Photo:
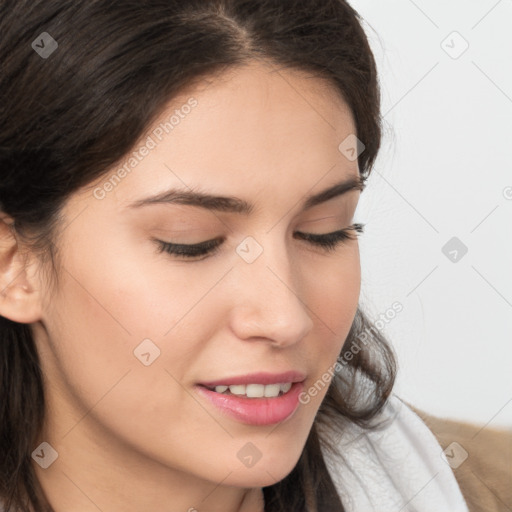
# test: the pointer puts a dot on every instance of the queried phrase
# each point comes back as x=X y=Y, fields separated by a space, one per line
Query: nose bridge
x=269 y=297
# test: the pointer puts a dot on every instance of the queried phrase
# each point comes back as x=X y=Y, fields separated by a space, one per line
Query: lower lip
x=256 y=411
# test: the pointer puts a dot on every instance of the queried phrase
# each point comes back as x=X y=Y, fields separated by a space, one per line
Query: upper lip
x=258 y=378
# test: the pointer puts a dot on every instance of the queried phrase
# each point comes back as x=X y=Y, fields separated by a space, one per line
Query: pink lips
x=256 y=411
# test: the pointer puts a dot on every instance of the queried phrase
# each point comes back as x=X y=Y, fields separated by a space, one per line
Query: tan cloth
x=485 y=477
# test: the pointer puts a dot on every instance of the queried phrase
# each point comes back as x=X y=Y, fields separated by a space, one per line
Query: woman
x=180 y=327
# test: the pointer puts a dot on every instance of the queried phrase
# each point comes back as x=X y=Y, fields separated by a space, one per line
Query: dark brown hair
x=66 y=119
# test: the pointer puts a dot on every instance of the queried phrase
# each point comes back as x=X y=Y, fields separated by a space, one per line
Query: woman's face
x=132 y=330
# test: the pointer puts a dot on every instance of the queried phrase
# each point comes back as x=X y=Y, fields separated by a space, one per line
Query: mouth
x=254 y=403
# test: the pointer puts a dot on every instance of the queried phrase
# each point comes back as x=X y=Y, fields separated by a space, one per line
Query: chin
x=264 y=477
x=265 y=472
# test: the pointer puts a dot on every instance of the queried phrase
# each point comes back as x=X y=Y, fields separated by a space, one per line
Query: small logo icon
x=454 y=45
x=45 y=455
x=351 y=147
x=249 y=249
x=44 y=45
x=454 y=249
x=249 y=455
x=146 y=352
x=454 y=455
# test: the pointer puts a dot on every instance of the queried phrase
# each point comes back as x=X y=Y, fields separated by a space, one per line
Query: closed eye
x=329 y=242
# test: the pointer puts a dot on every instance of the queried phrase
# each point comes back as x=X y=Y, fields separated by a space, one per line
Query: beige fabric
x=485 y=477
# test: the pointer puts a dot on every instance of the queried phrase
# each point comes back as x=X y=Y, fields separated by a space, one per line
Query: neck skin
x=92 y=474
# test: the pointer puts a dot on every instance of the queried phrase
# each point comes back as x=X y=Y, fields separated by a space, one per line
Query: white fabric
x=398 y=469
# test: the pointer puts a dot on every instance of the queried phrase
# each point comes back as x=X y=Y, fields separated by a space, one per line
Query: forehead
x=256 y=118
x=253 y=131
x=260 y=98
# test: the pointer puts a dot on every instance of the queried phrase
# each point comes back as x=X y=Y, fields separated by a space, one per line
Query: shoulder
x=480 y=457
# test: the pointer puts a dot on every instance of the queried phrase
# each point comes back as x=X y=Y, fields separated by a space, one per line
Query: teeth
x=286 y=387
x=238 y=389
x=270 y=390
x=256 y=390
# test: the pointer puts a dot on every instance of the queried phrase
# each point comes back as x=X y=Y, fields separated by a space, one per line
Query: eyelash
x=328 y=242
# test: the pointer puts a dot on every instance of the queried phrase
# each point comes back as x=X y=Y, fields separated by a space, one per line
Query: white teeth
x=286 y=387
x=272 y=390
x=237 y=389
x=256 y=390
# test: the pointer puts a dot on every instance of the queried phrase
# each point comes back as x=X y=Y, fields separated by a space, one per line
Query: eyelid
x=182 y=249
x=326 y=241
x=322 y=218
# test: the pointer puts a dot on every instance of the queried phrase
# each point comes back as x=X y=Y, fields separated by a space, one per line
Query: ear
x=20 y=297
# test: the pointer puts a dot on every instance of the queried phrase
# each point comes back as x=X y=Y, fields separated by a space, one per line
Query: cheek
x=334 y=298
x=96 y=378
x=107 y=304
x=334 y=291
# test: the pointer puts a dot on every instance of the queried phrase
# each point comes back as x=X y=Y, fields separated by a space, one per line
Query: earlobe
x=19 y=293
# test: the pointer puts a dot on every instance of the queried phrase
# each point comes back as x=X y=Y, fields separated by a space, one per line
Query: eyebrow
x=241 y=206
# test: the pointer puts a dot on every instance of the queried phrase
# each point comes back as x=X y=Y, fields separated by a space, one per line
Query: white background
x=445 y=170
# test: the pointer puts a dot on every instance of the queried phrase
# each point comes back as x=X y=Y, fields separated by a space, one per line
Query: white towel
x=398 y=469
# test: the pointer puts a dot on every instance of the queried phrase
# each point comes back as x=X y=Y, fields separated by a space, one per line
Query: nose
x=269 y=302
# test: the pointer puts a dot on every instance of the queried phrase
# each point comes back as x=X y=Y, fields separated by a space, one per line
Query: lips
x=257 y=378
x=254 y=411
